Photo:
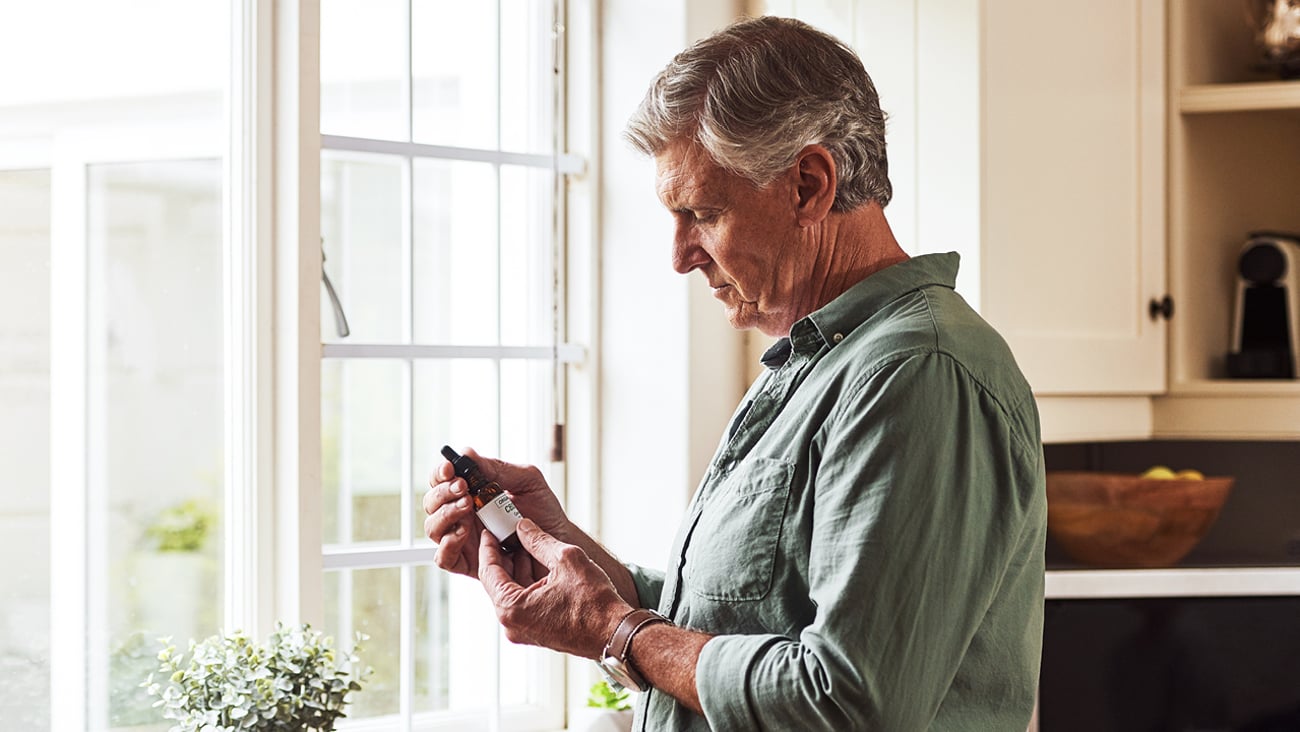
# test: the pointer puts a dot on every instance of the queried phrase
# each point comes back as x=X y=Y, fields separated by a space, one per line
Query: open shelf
x=1254 y=96
x=1083 y=584
x=1234 y=168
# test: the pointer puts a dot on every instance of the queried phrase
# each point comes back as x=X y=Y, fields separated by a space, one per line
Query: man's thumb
x=541 y=545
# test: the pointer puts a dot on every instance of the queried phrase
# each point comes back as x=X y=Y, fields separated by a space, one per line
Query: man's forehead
x=683 y=169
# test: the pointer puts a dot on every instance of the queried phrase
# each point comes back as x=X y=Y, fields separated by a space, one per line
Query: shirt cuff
x=722 y=679
x=649 y=585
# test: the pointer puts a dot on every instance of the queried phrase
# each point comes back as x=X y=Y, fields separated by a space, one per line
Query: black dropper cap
x=468 y=469
x=462 y=464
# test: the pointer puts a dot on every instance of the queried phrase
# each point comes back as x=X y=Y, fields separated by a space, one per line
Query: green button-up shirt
x=867 y=544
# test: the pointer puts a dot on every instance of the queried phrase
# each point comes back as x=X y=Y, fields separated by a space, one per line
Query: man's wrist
x=616 y=660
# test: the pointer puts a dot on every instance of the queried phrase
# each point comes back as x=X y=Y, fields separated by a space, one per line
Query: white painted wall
x=884 y=35
x=887 y=36
x=672 y=368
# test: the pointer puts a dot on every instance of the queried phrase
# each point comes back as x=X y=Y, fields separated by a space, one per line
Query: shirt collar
x=834 y=321
x=840 y=316
x=777 y=354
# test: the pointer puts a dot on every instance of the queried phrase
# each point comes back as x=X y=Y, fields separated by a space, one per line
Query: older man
x=865 y=550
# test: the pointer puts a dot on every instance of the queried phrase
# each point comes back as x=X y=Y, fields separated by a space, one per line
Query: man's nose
x=688 y=255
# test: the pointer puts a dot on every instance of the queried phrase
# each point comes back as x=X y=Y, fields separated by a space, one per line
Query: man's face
x=743 y=239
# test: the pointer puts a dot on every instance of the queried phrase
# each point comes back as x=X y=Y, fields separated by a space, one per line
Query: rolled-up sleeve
x=922 y=493
x=649 y=584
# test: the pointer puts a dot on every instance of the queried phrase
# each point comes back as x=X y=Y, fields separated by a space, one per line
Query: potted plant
x=296 y=682
x=607 y=710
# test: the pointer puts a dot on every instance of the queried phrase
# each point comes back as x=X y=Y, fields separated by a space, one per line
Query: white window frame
x=273 y=559
x=300 y=559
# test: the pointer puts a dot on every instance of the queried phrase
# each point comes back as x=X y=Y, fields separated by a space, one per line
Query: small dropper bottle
x=493 y=506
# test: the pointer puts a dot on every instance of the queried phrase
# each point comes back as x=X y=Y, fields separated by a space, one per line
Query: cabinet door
x=1072 y=191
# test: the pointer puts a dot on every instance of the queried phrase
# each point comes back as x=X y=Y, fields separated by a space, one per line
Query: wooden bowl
x=1120 y=520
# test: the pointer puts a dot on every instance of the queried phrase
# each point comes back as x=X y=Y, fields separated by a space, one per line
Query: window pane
x=454 y=403
x=433 y=665
x=369 y=601
x=25 y=459
x=474 y=681
x=527 y=266
x=456 y=253
x=361 y=231
x=454 y=60
x=156 y=417
x=363 y=68
x=363 y=430
x=527 y=413
x=527 y=76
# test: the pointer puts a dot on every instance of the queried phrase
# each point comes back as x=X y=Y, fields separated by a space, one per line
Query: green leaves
x=184 y=527
x=230 y=683
x=603 y=696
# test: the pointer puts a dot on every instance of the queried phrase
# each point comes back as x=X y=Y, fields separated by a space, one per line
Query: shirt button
x=837 y=337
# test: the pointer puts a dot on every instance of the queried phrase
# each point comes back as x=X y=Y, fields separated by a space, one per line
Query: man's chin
x=742 y=318
x=747 y=319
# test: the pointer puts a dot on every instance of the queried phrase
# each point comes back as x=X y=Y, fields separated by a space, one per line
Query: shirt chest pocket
x=732 y=549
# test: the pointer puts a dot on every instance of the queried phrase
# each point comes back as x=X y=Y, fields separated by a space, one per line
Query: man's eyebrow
x=694 y=199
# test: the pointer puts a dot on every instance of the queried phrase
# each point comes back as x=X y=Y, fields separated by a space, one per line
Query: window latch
x=340 y=319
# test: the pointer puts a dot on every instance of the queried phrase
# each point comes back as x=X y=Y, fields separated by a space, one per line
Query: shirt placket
x=752 y=422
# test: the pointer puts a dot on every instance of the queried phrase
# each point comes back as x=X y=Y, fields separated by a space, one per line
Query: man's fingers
x=450 y=554
x=440 y=494
x=442 y=474
x=496 y=580
x=448 y=519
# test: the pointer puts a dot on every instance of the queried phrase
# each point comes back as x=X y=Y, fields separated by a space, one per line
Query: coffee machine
x=1266 y=319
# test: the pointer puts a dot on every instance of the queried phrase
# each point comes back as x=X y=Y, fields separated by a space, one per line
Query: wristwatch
x=614 y=662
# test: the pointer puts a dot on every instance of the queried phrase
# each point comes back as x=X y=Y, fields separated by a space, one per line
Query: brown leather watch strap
x=621 y=641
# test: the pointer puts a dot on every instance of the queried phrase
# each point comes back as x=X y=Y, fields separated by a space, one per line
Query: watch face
x=621 y=674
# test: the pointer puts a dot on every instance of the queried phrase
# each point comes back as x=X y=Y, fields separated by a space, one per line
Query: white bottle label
x=500 y=516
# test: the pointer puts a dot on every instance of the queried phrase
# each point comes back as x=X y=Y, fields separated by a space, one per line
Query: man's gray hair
x=758 y=92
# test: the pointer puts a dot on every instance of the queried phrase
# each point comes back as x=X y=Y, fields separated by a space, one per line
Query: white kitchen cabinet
x=1029 y=136
x=1039 y=155
x=1070 y=192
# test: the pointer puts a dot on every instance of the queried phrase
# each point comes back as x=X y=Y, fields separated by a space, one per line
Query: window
x=147 y=324
x=24 y=430
x=443 y=239
x=112 y=366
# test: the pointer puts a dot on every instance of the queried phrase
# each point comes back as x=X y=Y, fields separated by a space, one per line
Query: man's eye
x=690 y=216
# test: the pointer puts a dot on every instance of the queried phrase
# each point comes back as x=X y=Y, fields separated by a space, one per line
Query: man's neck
x=848 y=248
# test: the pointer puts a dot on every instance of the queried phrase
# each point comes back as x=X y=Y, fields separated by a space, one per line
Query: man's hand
x=574 y=608
x=453 y=525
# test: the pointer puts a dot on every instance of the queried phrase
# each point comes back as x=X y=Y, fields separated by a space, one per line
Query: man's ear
x=817 y=182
